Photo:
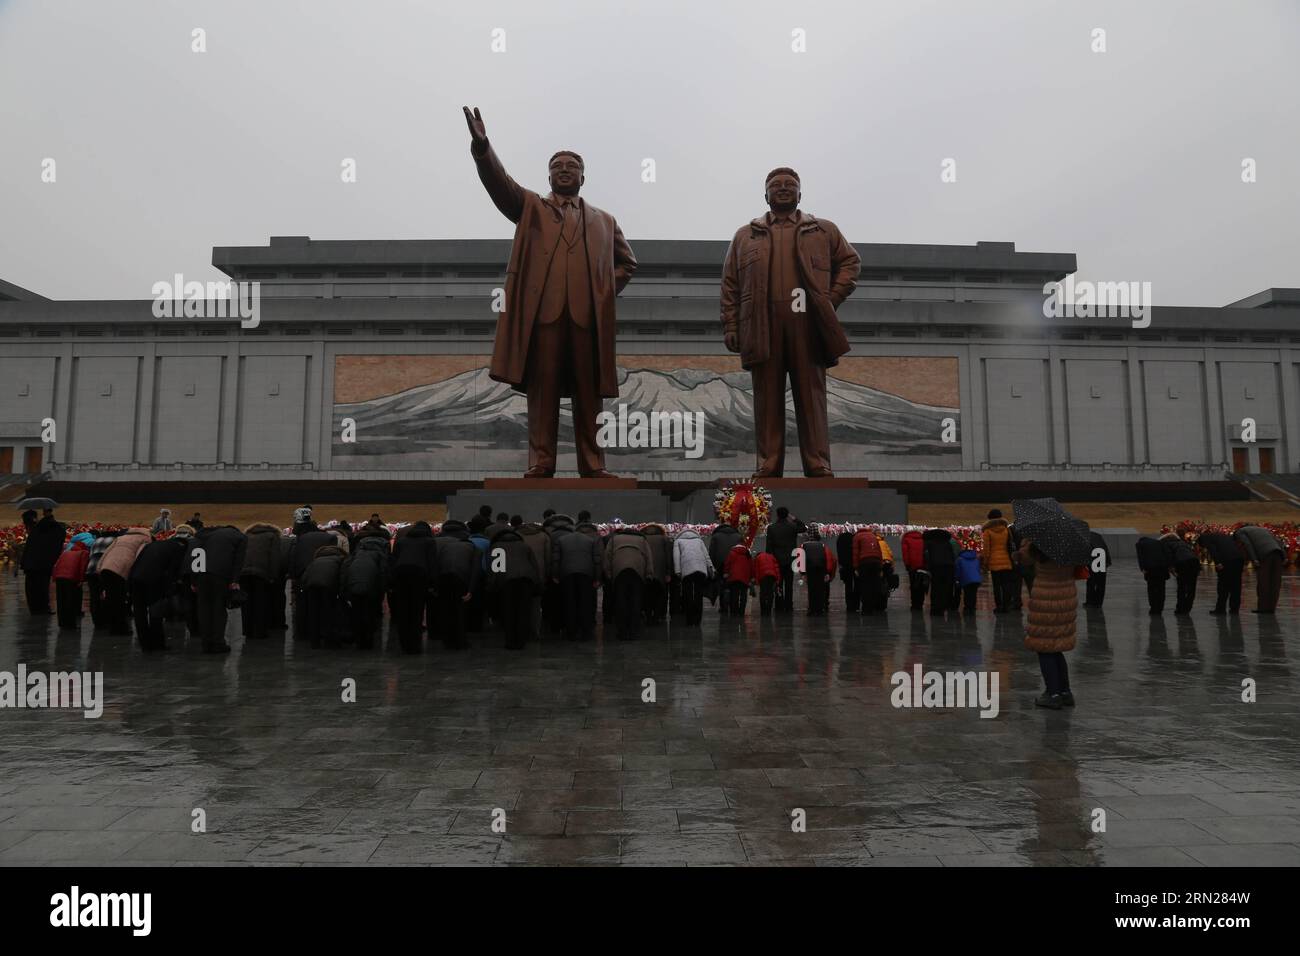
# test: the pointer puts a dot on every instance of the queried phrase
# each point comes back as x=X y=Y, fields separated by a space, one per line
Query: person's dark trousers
x=737 y=596
x=917 y=585
x=279 y=602
x=256 y=614
x=693 y=587
x=607 y=602
x=210 y=609
x=766 y=596
x=1229 y=587
x=870 y=587
x=517 y=610
x=1006 y=585
x=322 y=614
x=785 y=599
x=655 y=595
x=1095 y=590
x=451 y=611
x=407 y=607
x=1056 y=673
x=578 y=599
x=1156 y=591
x=629 y=589
x=95 y=601
x=969 y=595
x=148 y=624
x=850 y=582
x=67 y=599
x=1024 y=583
x=36 y=584
x=1186 y=574
x=116 y=603
x=941 y=585
x=675 y=606
x=1268 y=582
x=474 y=611
x=189 y=601
x=365 y=614
x=818 y=590
x=297 y=610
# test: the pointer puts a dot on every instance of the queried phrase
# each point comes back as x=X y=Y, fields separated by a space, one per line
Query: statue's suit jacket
x=538 y=225
x=828 y=272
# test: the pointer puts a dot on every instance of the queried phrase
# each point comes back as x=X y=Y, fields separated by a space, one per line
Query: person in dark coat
x=627 y=564
x=478 y=608
x=222 y=561
x=1229 y=562
x=556 y=526
x=196 y=523
x=514 y=583
x=320 y=588
x=279 y=590
x=655 y=606
x=41 y=550
x=1025 y=570
x=818 y=567
x=721 y=540
x=1095 y=590
x=257 y=579
x=412 y=571
x=1267 y=555
x=576 y=558
x=213 y=576
x=460 y=568
x=941 y=563
x=499 y=524
x=361 y=585
x=848 y=575
x=782 y=538
x=308 y=539
x=1186 y=567
x=1153 y=561
x=154 y=580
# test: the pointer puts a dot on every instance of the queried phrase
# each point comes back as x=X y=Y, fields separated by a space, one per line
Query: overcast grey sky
x=1130 y=158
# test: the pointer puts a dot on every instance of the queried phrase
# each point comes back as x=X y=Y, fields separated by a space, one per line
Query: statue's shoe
x=539 y=473
x=600 y=474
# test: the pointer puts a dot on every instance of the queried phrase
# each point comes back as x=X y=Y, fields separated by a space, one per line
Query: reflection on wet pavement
x=752 y=720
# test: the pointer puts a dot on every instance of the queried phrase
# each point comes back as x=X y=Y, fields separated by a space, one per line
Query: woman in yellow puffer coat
x=1050 y=627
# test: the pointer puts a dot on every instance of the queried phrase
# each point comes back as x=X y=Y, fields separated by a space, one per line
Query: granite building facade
x=369 y=359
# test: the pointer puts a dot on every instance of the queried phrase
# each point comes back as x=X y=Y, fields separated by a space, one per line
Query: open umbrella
x=37 y=504
x=1053 y=530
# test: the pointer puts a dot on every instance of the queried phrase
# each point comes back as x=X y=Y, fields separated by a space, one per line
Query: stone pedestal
x=834 y=500
x=605 y=498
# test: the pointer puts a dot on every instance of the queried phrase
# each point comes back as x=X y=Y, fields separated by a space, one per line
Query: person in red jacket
x=738 y=571
x=69 y=574
x=868 y=561
x=768 y=572
x=913 y=559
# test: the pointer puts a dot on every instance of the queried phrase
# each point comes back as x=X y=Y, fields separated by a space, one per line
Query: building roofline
x=302 y=252
x=15 y=293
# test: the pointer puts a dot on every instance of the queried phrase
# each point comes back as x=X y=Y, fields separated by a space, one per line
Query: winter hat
x=184 y=531
x=301 y=515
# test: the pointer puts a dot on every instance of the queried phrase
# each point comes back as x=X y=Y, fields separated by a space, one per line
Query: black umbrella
x=37 y=504
x=1053 y=530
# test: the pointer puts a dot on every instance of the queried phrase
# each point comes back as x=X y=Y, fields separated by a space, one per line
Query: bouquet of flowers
x=745 y=506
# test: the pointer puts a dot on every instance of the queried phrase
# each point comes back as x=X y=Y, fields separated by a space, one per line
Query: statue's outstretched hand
x=732 y=341
x=474 y=120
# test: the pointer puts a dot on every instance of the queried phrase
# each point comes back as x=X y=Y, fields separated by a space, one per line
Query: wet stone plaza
x=1160 y=763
